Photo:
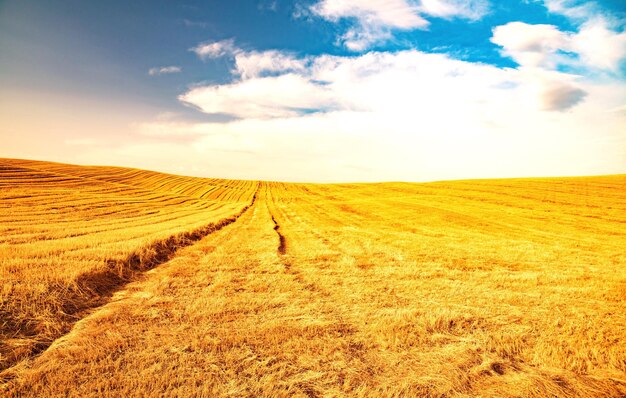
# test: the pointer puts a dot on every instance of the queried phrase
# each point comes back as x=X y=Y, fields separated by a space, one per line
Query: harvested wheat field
x=123 y=282
x=70 y=235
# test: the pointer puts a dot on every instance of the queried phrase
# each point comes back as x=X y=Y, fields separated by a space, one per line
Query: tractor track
x=93 y=290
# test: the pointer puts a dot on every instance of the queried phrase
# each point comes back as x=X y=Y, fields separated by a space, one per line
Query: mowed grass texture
x=491 y=288
x=70 y=235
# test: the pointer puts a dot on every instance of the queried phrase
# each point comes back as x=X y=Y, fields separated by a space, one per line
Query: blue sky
x=309 y=90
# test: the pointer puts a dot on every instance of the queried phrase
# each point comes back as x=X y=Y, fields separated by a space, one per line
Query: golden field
x=122 y=282
x=68 y=236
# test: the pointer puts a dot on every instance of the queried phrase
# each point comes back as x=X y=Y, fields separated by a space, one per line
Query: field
x=70 y=235
x=122 y=282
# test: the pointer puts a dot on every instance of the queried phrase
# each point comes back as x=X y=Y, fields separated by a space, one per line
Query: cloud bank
x=407 y=115
x=410 y=114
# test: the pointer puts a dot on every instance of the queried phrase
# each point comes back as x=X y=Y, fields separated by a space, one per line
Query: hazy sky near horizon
x=318 y=90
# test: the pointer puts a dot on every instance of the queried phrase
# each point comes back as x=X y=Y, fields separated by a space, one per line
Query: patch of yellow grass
x=491 y=288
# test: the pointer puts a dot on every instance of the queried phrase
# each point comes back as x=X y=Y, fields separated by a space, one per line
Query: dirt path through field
x=103 y=283
x=224 y=307
x=70 y=236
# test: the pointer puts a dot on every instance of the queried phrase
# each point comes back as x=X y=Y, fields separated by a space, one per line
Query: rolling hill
x=124 y=282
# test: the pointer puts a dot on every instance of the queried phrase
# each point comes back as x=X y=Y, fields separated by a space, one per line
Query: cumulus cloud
x=531 y=45
x=594 y=45
x=389 y=84
x=599 y=46
x=164 y=70
x=537 y=49
x=262 y=97
x=540 y=50
x=375 y=20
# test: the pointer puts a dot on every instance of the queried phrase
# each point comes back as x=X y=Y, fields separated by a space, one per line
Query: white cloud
x=384 y=83
x=262 y=97
x=572 y=8
x=582 y=11
x=215 y=49
x=594 y=45
x=469 y=9
x=164 y=70
x=375 y=20
x=599 y=46
x=250 y=63
x=362 y=37
x=399 y=14
x=256 y=63
x=601 y=38
x=531 y=45
x=541 y=50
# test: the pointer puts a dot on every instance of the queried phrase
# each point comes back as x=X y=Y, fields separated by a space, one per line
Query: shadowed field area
x=507 y=288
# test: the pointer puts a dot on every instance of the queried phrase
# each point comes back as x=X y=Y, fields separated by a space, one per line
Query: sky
x=318 y=90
